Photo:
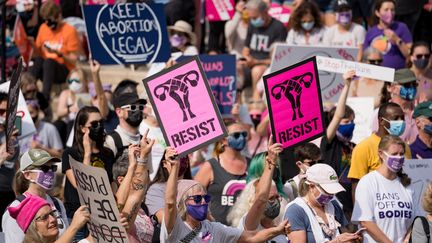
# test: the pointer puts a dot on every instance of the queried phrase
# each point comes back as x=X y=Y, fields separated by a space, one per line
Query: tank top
x=224 y=191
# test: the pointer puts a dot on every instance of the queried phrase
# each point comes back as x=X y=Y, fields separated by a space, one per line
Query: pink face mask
x=387 y=17
x=323 y=198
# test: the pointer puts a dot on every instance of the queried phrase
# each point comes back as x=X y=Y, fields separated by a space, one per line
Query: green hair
x=256 y=169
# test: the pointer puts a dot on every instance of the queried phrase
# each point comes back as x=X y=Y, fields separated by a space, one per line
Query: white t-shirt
x=299 y=38
x=387 y=203
x=211 y=232
x=352 y=38
x=126 y=137
x=158 y=148
x=13 y=233
x=277 y=239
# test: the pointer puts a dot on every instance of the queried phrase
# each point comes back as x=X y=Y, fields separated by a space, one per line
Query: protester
x=306 y=25
x=384 y=202
x=88 y=148
x=31 y=92
x=423 y=225
x=421 y=67
x=392 y=38
x=422 y=146
x=56 y=44
x=182 y=38
x=111 y=120
x=38 y=220
x=314 y=216
x=228 y=167
x=185 y=213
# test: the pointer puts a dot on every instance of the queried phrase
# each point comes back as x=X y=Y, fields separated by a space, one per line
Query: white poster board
x=363 y=109
x=331 y=83
x=420 y=171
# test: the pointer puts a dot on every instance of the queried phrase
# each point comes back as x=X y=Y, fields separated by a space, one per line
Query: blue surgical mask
x=237 y=143
x=257 y=22
x=308 y=25
x=198 y=212
x=346 y=130
x=428 y=129
x=396 y=127
x=408 y=93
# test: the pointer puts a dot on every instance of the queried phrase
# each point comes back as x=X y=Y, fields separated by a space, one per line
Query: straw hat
x=184 y=27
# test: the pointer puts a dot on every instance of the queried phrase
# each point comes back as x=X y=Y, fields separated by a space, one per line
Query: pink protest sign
x=280 y=13
x=294 y=101
x=185 y=106
x=219 y=10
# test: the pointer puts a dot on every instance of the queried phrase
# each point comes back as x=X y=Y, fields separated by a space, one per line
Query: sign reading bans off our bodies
x=127 y=33
x=294 y=101
x=94 y=190
x=185 y=107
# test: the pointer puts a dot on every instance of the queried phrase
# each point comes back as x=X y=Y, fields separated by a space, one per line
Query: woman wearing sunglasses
x=421 y=66
x=227 y=170
x=88 y=148
x=185 y=213
x=38 y=220
x=35 y=178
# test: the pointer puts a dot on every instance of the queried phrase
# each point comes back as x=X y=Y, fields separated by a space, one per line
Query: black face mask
x=134 y=118
x=52 y=24
x=35 y=118
x=97 y=133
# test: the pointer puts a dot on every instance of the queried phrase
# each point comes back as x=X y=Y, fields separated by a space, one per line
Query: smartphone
x=18 y=124
x=359 y=231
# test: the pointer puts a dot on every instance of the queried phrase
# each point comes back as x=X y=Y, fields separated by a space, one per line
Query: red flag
x=21 y=41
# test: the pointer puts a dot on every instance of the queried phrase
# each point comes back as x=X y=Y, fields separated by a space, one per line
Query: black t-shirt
x=260 y=39
x=104 y=159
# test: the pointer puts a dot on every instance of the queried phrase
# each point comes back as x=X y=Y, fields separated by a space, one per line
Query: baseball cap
x=125 y=86
x=127 y=99
x=325 y=176
x=423 y=109
x=342 y=5
x=36 y=157
x=404 y=75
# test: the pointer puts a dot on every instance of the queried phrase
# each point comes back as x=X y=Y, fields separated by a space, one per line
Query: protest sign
x=94 y=2
x=331 y=83
x=362 y=70
x=21 y=41
x=219 y=10
x=94 y=190
x=127 y=33
x=185 y=107
x=12 y=105
x=363 y=110
x=280 y=12
x=294 y=102
x=420 y=171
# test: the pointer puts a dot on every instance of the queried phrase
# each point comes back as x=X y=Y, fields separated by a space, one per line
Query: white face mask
x=75 y=87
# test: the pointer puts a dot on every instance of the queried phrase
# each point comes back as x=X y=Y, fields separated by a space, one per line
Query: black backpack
x=426 y=229
x=118 y=144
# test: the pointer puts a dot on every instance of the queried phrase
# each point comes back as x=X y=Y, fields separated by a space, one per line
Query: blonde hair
x=32 y=235
x=384 y=144
x=181 y=209
x=243 y=203
x=427 y=199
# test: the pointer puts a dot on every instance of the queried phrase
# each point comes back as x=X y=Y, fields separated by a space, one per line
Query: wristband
x=142 y=161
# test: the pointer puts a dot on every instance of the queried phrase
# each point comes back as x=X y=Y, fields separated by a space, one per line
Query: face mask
x=344 y=18
x=177 y=41
x=428 y=129
x=408 y=93
x=35 y=118
x=387 y=17
x=346 y=130
x=257 y=22
x=237 y=143
x=308 y=25
x=245 y=16
x=396 y=127
x=52 y=24
x=323 y=199
x=421 y=63
x=134 y=118
x=75 y=86
x=272 y=209
x=97 y=134
x=44 y=179
x=198 y=212
x=394 y=162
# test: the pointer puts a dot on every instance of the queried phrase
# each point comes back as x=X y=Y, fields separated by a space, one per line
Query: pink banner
x=280 y=13
x=185 y=106
x=219 y=10
x=294 y=100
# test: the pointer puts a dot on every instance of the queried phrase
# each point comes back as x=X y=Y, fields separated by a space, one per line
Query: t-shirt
x=299 y=220
x=392 y=56
x=210 y=232
x=155 y=197
x=126 y=137
x=385 y=202
x=64 y=39
x=299 y=37
x=352 y=38
x=46 y=134
x=418 y=232
x=103 y=159
x=259 y=40
x=365 y=157
x=420 y=150
x=277 y=239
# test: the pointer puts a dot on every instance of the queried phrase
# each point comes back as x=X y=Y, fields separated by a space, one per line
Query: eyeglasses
x=133 y=107
x=2 y=112
x=423 y=56
x=71 y=80
x=45 y=217
x=375 y=61
x=46 y=168
x=236 y=135
x=198 y=198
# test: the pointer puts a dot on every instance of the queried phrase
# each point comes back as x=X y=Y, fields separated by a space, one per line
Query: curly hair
x=427 y=199
x=305 y=8
x=243 y=203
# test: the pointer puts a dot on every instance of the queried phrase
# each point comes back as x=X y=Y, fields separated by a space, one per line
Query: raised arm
x=170 y=210
x=124 y=188
x=80 y=218
x=102 y=100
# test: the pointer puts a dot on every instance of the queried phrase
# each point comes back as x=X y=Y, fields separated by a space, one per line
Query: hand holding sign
x=348 y=76
x=4 y=155
x=81 y=217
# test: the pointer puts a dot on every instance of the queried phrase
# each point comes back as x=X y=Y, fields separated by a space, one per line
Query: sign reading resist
x=127 y=33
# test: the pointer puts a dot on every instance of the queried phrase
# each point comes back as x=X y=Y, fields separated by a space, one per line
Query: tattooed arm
x=124 y=188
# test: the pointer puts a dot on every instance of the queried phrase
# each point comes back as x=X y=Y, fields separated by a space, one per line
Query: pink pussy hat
x=25 y=212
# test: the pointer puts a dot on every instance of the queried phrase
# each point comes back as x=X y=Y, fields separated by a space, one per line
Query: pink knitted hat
x=25 y=212
x=182 y=187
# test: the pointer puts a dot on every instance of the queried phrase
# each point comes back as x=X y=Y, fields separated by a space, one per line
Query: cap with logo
x=423 y=109
x=325 y=176
x=404 y=75
x=36 y=157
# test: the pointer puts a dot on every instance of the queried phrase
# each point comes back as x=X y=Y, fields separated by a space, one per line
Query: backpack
x=426 y=229
x=118 y=144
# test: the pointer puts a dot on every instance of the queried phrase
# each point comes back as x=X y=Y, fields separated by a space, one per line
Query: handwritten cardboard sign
x=185 y=107
x=420 y=171
x=294 y=102
x=94 y=190
x=362 y=70
x=363 y=109
x=127 y=33
x=219 y=10
x=331 y=83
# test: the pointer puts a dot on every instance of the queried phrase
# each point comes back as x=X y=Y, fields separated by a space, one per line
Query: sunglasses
x=255 y=116
x=423 y=56
x=198 y=198
x=44 y=217
x=236 y=135
x=2 y=112
x=71 y=80
x=375 y=61
x=46 y=168
x=133 y=107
